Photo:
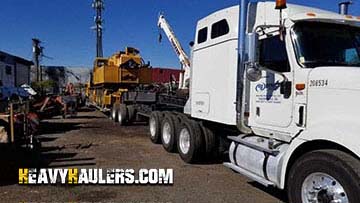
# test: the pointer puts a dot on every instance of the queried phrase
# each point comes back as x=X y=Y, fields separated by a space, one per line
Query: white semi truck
x=281 y=85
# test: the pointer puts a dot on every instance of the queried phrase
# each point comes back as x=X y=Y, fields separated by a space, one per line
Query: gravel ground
x=93 y=141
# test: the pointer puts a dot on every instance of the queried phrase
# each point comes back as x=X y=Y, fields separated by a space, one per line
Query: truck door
x=268 y=106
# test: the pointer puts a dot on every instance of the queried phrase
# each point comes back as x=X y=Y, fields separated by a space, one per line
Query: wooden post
x=12 y=123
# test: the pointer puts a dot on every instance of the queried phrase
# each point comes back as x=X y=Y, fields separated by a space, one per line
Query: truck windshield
x=324 y=44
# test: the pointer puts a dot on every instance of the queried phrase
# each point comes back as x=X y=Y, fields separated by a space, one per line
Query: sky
x=64 y=27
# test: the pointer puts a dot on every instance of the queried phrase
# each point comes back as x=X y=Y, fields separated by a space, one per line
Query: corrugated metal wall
x=22 y=74
x=14 y=71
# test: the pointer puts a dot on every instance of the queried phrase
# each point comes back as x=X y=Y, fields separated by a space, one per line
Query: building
x=14 y=70
x=56 y=74
x=78 y=74
x=62 y=75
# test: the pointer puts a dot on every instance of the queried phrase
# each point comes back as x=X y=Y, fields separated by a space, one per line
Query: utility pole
x=37 y=51
x=98 y=6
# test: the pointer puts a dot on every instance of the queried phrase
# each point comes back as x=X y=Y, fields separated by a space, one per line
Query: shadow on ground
x=48 y=157
x=58 y=127
x=26 y=159
x=86 y=109
x=280 y=194
x=86 y=117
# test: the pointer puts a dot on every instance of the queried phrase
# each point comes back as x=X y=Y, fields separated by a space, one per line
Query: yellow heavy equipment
x=123 y=71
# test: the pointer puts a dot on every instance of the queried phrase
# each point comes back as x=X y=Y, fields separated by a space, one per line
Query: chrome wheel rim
x=120 y=118
x=322 y=188
x=184 y=140
x=166 y=133
x=113 y=114
x=152 y=125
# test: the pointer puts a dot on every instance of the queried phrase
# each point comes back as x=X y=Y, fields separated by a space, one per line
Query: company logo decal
x=269 y=86
x=86 y=176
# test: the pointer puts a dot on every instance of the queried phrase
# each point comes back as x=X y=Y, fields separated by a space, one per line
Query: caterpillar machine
x=122 y=72
x=114 y=75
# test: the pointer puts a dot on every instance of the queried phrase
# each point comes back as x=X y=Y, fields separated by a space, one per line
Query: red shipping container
x=162 y=75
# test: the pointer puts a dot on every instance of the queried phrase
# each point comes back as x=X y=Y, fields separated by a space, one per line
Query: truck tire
x=155 y=127
x=190 y=141
x=131 y=113
x=113 y=115
x=324 y=176
x=168 y=132
x=114 y=112
x=122 y=115
x=178 y=118
x=211 y=150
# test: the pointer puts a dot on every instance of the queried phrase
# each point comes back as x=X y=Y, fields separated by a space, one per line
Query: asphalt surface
x=91 y=140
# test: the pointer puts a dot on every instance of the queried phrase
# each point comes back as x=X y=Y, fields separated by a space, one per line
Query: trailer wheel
x=114 y=112
x=122 y=114
x=190 y=141
x=324 y=176
x=131 y=113
x=155 y=127
x=168 y=132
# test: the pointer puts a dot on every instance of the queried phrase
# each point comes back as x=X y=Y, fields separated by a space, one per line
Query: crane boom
x=184 y=78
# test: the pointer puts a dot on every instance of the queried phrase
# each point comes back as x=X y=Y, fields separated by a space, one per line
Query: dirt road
x=93 y=141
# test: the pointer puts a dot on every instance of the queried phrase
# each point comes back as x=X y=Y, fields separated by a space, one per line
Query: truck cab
x=276 y=87
x=291 y=88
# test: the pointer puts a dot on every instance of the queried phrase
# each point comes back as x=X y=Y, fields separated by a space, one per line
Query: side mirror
x=285 y=89
x=253 y=73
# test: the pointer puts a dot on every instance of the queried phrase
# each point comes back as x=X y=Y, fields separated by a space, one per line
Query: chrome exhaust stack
x=344 y=7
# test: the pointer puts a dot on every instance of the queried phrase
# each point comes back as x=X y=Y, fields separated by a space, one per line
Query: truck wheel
x=168 y=133
x=113 y=113
x=178 y=119
x=155 y=127
x=132 y=113
x=189 y=141
x=122 y=114
x=325 y=176
x=211 y=143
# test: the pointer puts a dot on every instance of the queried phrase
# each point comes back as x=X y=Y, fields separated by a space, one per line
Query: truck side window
x=202 y=35
x=219 y=28
x=273 y=54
